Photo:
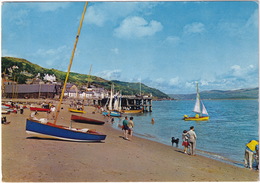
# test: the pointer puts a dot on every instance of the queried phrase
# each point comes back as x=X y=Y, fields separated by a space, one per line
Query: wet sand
x=26 y=159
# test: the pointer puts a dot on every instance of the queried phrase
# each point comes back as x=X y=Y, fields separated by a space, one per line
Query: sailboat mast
x=71 y=60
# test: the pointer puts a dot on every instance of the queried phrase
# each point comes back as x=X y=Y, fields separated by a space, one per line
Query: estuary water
x=232 y=124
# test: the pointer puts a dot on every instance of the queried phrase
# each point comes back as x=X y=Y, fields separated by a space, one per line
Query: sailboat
x=112 y=111
x=45 y=129
x=199 y=109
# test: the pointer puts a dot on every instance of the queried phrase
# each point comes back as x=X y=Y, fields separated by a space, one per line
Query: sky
x=168 y=45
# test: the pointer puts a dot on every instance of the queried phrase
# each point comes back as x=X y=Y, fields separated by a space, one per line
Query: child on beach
x=185 y=139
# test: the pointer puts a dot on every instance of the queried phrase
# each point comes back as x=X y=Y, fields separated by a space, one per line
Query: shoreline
x=203 y=153
x=26 y=159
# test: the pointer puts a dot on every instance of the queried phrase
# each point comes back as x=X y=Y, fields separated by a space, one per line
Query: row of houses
x=50 y=90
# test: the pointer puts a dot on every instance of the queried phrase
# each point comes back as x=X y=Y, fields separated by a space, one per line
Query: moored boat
x=39 y=109
x=83 y=119
x=76 y=111
x=112 y=113
x=135 y=111
x=53 y=131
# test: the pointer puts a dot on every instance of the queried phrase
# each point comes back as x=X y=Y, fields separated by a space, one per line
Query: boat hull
x=52 y=131
x=82 y=119
x=39 y=109
x=112 y=114
x=77 y=111
x=132 y=111
x=202 y=118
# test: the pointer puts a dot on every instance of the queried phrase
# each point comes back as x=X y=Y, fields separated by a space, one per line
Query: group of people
x=128 y=127
x=189 y=141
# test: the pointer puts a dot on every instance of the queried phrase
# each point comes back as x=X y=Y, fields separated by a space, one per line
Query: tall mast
x=71 y=60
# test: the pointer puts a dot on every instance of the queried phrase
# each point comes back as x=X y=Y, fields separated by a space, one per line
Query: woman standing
x=131 y=127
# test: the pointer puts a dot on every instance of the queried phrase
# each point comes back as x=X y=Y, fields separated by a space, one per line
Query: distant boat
x=53 y=131
x=133 y=111
x=39 y=109
x=76 y=111
x=112 y=113
x=43 y=129
x=83 y=119
x=199 y=109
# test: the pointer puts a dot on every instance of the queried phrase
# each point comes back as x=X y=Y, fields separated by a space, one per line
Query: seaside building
x=14 y=90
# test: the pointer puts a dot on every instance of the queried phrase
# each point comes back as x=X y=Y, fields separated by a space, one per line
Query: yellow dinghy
x=132 y=111
x=76 y=111
x=200 y=109
x=196 y=118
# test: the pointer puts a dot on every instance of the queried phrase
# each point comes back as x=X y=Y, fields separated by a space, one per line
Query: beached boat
x=76 y=111
x=135 y=111
x=52 y=131
x=39 y=109
x=199 y=109
x=112 y=113
x=44 y=129
x=83 y=119
x=4 y=111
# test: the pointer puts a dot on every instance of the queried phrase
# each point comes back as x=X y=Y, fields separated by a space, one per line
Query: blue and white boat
x=48 y=130
x=112 y=114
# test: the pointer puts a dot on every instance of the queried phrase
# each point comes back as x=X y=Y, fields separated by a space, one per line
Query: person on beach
x=33 y=115
x=251 y=148
x=125 y=128
x=192 y=140
x=21 y=109
x=131 y=128
x=185 y=141
x=53 y=109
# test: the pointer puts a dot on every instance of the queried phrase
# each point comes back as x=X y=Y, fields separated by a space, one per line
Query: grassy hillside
x=250 y=93
x=27 y=70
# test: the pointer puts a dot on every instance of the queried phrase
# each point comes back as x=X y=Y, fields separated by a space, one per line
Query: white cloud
x=100 y=13
x=110 y=74
x=253 y=19
x=172 y=40
x=137 y=27
x=115 y=51
x=19 y=17
x=95 y=17
x=51 y=6
x=174 y=81
x=195 y=27
x=54 y=56
x=237 y=71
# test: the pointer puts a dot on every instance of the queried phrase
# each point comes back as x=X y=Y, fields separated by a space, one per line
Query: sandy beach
x=26 y=159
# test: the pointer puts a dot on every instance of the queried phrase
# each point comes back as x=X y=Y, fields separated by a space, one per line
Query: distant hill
x=249 y=93
x=27 y=70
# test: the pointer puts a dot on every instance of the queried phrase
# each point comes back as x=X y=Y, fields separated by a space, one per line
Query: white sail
x=111 y=99
x=120 y=101
x=204 y=110
x=116 y=102
x=197 y=108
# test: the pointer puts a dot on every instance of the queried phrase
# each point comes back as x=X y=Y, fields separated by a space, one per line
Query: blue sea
x=232 y=124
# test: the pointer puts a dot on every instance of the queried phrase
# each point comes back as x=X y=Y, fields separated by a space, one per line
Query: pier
x=132 y=102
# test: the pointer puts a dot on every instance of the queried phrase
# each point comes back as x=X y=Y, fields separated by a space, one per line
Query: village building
x=14 y=90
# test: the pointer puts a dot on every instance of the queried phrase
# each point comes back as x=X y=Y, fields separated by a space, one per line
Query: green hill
x=27 y=70
x=249 y=93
